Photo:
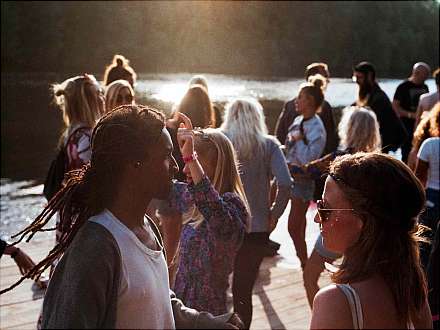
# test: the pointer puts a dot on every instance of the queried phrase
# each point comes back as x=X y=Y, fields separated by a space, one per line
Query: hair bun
x=318 y=80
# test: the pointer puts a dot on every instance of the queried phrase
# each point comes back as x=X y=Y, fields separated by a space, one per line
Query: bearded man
x=392 y=131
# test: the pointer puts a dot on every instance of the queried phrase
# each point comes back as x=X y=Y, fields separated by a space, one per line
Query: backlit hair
x=359 y=130
x=388 y=197
x=79 y=101
x=198 y=80
x=197 y=105
x=112 y=92
x=219 y=150
x=244 y=124
x=317 y=68
x=122 y=62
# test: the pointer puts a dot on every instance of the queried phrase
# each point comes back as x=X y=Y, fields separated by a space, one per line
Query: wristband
x=190 y=158
x=14 y=254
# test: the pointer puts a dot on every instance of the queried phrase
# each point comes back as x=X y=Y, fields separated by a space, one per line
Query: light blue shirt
x=300 y=153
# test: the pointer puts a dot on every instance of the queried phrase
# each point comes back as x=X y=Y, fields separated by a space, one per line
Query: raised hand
x=185 y=136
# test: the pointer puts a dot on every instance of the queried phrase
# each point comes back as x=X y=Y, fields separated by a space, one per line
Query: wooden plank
x=279 y=296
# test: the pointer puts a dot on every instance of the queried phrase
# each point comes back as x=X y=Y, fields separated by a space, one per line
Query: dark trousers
x=246 y=268
x=407 y=145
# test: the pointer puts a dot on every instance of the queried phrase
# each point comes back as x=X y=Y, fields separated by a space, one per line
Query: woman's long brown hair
x=121 y=136
x=388 y=197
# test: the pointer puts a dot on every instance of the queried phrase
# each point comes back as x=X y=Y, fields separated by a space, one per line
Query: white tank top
x=355 y=306
x=144 y=296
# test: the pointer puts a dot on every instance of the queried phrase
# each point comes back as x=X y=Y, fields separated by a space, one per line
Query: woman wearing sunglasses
x=358 y=131
x=119 y=92
x=368 y=213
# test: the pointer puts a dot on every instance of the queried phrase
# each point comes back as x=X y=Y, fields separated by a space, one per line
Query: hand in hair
x=185 y=136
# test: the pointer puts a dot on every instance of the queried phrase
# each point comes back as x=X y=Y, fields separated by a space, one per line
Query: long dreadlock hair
x=121 y=136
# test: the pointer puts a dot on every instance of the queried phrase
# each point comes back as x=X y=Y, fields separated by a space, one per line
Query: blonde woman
x=260 y=159
x=215 y=217
x=82 y=102
x=358 y=131
x=119 y=92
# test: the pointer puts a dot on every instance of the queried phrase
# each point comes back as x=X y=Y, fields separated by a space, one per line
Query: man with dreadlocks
x=113 y=272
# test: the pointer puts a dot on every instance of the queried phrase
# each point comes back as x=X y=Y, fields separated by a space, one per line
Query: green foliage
x=250 y=38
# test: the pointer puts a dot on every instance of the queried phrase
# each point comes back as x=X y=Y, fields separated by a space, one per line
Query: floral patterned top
x=207 y=251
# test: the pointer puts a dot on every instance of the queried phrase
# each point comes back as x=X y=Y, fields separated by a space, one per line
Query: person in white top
x=368 y=213
x=113 y=273
x=427 y=170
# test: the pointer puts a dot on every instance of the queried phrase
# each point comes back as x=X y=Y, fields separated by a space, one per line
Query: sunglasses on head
x=324 y=213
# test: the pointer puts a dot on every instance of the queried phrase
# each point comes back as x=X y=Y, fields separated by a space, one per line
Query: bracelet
x=190 y=158
x=14 y=254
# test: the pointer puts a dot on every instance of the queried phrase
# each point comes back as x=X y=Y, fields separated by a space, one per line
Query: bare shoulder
x=331 y=309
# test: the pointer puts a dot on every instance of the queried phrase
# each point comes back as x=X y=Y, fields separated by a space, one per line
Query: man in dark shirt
x=406 y=100
x=392 y=131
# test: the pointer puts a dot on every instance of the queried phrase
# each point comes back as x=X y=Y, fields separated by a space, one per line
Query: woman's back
x=256 y=174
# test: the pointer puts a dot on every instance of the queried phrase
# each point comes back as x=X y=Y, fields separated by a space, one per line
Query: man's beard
x=364 y=90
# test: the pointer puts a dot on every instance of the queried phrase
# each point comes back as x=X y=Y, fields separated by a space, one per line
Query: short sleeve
x=424 y=151
x=399 y=92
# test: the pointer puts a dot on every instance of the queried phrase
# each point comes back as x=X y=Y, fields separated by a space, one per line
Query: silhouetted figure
x=119 y=69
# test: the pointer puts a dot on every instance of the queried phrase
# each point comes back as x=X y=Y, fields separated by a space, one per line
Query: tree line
x=244 y=38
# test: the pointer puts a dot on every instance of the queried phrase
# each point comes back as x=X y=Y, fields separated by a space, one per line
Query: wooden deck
x=279 y=296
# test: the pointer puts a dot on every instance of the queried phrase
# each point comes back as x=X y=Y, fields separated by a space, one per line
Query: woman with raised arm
x=215 y=217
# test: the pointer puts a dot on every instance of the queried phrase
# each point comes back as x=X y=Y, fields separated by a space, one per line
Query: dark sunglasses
x=324 y=213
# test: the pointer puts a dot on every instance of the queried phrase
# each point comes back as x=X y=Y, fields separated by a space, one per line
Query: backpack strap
x=82 y=128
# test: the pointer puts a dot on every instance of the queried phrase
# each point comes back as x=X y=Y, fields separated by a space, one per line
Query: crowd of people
x=155 y=214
